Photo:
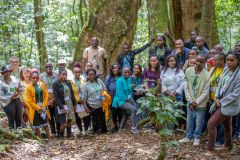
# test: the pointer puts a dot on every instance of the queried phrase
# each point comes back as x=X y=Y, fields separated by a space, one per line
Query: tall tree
x=112 y=22
x=38 y=18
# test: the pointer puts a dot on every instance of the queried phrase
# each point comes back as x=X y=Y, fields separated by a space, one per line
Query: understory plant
x=164 y=112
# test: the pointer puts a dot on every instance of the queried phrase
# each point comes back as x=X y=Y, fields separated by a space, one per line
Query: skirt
x=38 y=121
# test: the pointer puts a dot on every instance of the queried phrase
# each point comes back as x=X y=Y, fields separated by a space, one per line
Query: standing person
x=123 y=99
x=92 y=95
x=48 y=77
x=97 y=56
x=172 y=78
x=161 y=49
x=237 y=47
x=218 y=48
x=126 y=58
x=191 y=59
x=62 y=63
x=138 y=88
x=197 y=94
x=10 y=89
x=181 y=52
x=65 y=101
x=227 y=103
x=152 y=74
x=15 y=66
x=37 y=100
x=215 y=75
x=200 y=46
x=110 y=84
x=25 y=78
x=192 y=43
x=87 y=66
x=78 y=82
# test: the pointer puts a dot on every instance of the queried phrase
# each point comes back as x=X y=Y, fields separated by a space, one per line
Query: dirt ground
x=124 y=146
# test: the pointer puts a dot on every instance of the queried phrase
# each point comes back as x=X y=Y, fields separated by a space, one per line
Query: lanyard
x=95 y=87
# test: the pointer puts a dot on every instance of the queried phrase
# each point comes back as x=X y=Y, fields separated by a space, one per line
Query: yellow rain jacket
x=106 y=103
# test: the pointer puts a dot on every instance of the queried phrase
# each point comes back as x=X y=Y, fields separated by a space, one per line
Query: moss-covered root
x=29 y=134
x=5 y=133
x=162 y=153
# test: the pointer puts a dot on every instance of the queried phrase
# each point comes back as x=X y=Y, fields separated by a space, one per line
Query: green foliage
x=228 y=21
x=62 y=24
x=166 y=113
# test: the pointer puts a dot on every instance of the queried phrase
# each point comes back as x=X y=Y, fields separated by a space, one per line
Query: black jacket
x=161 y=58
x=58 y=92
x=130 y=55
x=191 y=44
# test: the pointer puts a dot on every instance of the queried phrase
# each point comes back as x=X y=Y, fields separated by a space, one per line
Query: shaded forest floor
x=124 y=146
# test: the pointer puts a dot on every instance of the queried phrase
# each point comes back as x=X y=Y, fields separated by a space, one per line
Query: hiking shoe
x=184 y=140
x=135 y=130
x=196 y=142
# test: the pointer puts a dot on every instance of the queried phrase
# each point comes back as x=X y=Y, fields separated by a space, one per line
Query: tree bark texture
x=113 y=22
x=38 y=19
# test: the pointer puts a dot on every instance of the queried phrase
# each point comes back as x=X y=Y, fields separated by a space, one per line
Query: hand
x=194 y=105
x=65 y=111
x=87 y=110
x=218 y=104
x=178 y=51
x=40 y=110
x=14 y=95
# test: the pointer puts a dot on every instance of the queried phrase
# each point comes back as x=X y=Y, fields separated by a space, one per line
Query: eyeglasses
x=48 y=66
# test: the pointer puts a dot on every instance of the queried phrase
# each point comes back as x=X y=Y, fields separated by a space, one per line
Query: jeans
x=14 y=113
x=216 y=119
x=194 y=117
x=128 y=106
x=236 y=125
x=220 y=134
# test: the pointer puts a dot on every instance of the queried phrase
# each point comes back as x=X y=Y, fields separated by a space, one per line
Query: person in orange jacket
x=37 y=100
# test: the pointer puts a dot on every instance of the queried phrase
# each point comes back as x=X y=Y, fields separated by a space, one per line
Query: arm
x=225 y=101
x=45 y=96
x=139 y=50
x=169 y=35
x=181 y=86
x=57 y=96
x=164 y=88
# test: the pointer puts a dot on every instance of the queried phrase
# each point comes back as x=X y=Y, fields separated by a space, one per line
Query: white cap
x=62 y=61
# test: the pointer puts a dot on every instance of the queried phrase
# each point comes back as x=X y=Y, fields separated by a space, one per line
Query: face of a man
x=199 y=42
x=94 y=42
x=193 y=36
x=237 y=46
x=14 y=63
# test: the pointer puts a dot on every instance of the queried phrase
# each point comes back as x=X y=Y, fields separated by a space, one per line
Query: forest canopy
x=43 y=30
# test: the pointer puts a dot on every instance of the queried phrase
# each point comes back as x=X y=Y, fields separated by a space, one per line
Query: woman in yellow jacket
x=37 y=100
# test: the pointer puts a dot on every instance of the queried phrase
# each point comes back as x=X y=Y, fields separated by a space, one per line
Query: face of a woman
x=76 y=72
x=26 y=74
x=192 y=54
x=136 y=70
x=91 y=76
x=160 y=41
x=115 y=70
x=63 y=76
x=126 y=72
x=153 y=62
x=232 y=62
x=171 y=63
x=35 y=78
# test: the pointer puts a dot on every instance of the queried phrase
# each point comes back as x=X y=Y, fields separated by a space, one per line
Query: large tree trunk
x=39 y=32
x=113 y=22
x=200 y=16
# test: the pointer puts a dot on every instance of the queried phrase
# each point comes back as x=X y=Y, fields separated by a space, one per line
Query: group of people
x=206 y=81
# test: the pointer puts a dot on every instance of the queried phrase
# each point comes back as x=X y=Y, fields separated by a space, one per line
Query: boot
x=69 y=132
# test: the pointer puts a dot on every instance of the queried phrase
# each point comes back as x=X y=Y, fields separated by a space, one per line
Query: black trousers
x=116 y=116
x=14 y=113
x=86 y=122
x=98 y=120
x=52 y=122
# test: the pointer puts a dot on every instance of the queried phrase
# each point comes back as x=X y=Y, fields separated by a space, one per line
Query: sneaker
x=184 y=140
x=196 y=142
x=135 y=130
x=209 y=153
